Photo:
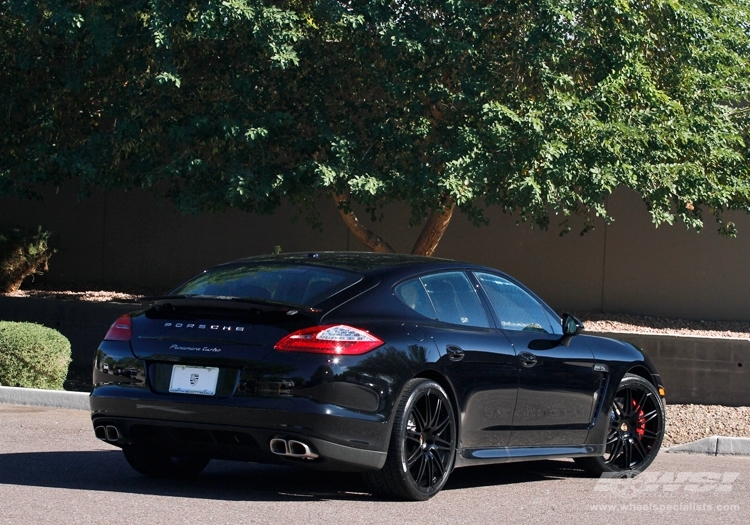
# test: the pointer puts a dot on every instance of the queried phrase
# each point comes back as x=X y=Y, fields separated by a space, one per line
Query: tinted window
x=454 y=299
x=304 y=285
x=413 y=295
x=515 y=308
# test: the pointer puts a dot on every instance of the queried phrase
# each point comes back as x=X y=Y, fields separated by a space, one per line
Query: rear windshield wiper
x=221 y=301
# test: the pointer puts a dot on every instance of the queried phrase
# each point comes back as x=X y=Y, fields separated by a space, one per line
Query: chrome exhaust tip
x=292 y=448
x=112 y=433
x=279 y=446
x=298 y=449
x=101 y=432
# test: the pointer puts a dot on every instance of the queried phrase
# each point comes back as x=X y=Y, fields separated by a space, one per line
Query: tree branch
x=369 y=238
x=434 y=229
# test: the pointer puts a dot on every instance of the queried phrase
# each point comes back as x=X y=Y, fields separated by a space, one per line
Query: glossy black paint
x=484 y=379
x=556 y=390
x=516 y=394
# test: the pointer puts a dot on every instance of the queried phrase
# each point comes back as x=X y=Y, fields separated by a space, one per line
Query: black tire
x=636 y=429
x=157 y=464
x=422 y=449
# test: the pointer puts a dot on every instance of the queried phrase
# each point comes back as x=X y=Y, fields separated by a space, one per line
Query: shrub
x=33 y=356
x=22 y=254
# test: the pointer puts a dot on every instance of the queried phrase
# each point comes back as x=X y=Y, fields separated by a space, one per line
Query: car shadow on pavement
x=512 y=473
x=234 y=481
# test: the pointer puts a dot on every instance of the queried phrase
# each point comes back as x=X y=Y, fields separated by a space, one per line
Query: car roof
x=366 y=263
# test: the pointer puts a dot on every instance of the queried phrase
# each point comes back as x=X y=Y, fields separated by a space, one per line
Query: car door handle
x=527 y=359
x=455 y=353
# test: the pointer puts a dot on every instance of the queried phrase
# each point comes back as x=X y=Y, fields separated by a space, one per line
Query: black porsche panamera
x=397 y=366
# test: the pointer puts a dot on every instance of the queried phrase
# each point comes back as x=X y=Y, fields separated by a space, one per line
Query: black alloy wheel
x=423 y=445
x=636 y=429
x=158 y=464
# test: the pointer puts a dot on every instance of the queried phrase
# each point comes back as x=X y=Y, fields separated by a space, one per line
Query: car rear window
x=303 y=285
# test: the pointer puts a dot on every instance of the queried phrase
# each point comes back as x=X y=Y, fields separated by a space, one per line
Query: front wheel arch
x=643 y=372
x=637 y=423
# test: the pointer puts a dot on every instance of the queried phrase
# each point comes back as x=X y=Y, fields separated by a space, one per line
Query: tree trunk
x=368 y=238
x=17 y=266
x=427 y=242
x=434 y=229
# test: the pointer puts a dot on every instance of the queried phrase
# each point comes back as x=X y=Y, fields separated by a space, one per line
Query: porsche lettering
x=223 y=328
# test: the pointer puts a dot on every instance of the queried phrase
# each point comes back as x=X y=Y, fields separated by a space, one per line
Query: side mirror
x=571 y=327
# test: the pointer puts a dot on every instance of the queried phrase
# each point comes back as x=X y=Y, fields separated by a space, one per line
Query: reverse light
x=121 y=330
x=337 y=339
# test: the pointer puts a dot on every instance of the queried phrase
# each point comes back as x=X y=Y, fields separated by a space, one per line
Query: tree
x=540 y=107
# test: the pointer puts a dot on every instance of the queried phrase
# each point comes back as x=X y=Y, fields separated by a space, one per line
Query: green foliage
x=22 y=255
x=33 y=356
x=534 y=106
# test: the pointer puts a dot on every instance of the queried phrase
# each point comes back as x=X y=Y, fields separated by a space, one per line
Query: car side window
x=413 y=295
x=514 y=307
x=454 y=299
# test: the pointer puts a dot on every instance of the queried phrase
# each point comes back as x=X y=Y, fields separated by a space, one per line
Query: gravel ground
x=688 y=423
x=86 y=292
x=597 y=322
x=685 y=423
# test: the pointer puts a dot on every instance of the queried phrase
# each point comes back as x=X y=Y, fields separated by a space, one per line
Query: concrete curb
x=715 y=446
x=45 y=398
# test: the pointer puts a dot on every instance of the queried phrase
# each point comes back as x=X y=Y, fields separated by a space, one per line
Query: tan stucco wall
x=629 y=266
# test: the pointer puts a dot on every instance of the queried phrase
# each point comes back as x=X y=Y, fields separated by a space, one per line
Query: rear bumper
x=242 y=428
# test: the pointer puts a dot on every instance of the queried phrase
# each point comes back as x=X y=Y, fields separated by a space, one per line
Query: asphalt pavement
x=54 y=471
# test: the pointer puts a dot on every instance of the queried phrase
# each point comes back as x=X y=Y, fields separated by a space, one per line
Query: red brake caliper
x=640 y=427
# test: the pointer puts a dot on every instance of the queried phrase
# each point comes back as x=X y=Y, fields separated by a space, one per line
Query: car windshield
x=303 y=285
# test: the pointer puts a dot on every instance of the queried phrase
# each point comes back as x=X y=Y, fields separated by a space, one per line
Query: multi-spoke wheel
x=423 y=444
x=636 y=429
x=160 y=465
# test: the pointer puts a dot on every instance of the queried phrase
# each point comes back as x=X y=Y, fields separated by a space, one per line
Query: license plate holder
x=200 y=380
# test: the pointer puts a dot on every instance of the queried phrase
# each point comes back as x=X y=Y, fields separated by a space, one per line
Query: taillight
x=337 y=339
x=121 y=330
